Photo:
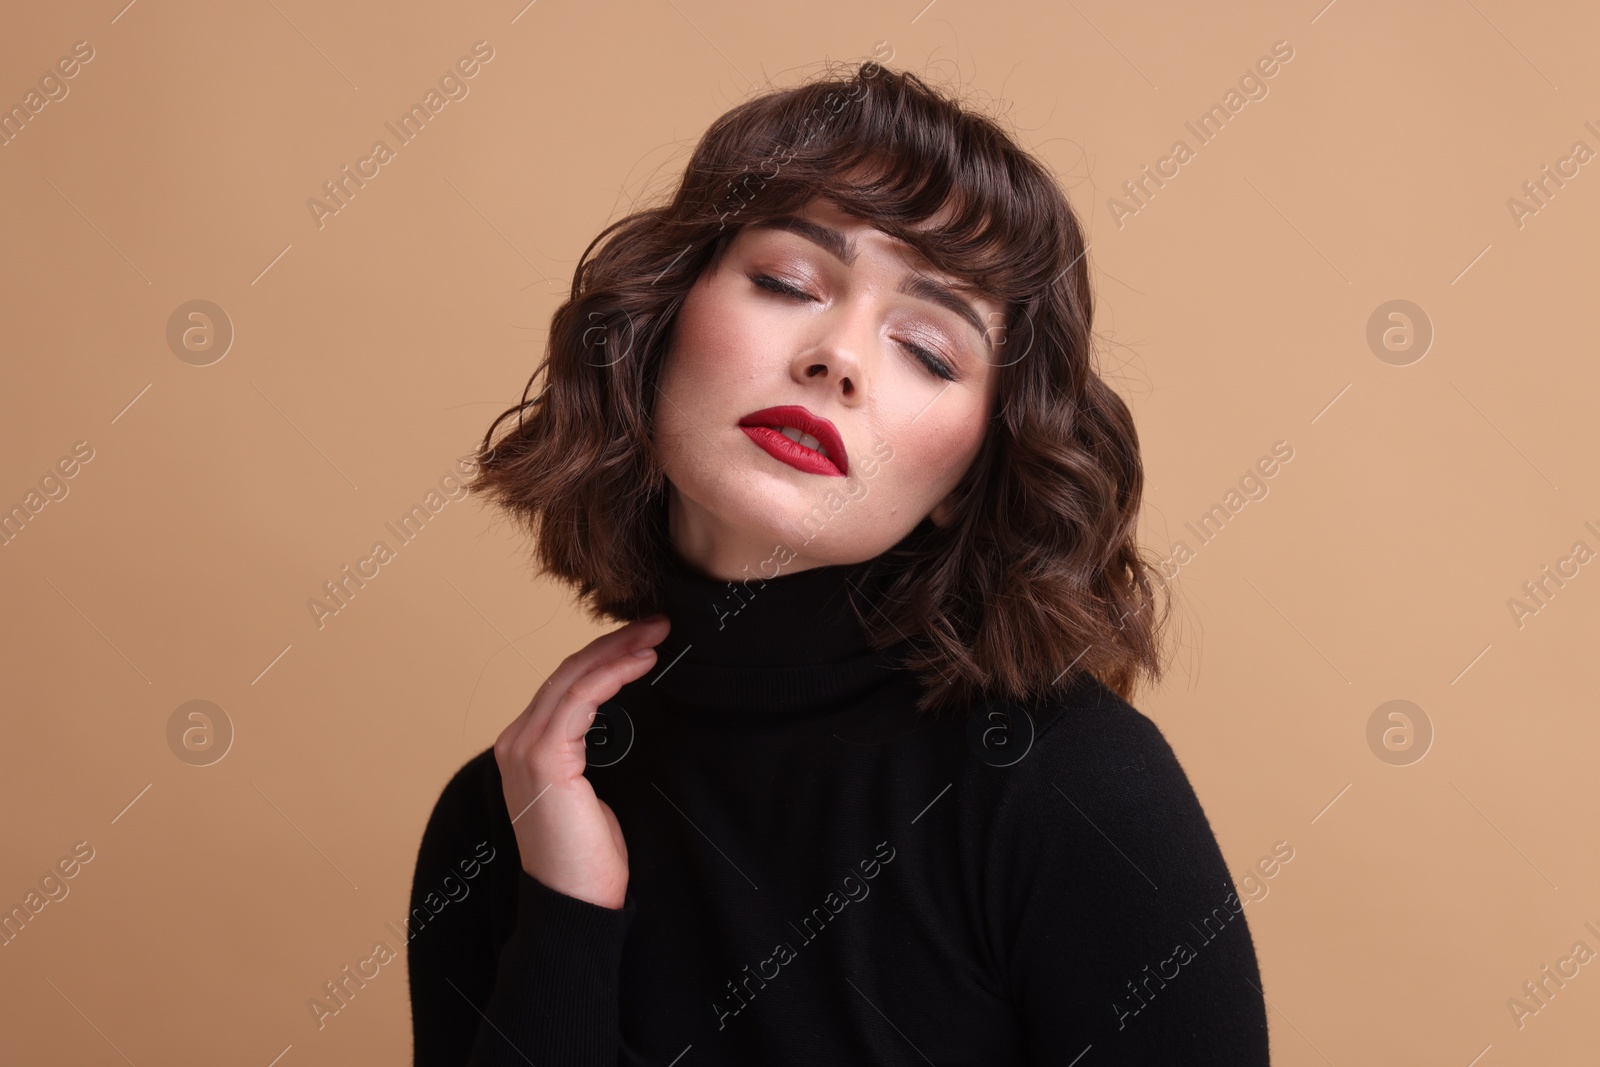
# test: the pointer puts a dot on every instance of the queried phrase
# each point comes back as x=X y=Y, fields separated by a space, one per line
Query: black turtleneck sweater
x=820 y=874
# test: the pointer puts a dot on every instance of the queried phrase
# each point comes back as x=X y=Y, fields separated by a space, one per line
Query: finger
x=635 y=634
x=613 y=647
x=515 y=728
x=576 y=712
x=620 y=642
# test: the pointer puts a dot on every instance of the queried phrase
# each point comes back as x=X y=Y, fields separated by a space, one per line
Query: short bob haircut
x=1038 y=575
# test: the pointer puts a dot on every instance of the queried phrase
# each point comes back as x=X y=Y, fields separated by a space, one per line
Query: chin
x=784 y=523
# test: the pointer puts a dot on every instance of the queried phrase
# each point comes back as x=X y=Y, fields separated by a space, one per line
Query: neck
x=784 y=642
x=719 y=551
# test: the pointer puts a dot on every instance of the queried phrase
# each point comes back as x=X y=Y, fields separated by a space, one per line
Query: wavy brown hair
x=1038 y=576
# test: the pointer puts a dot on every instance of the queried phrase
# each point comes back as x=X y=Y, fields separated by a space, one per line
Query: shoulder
x=1089 y=708
x=1101 y=812
x=1098 y=769
x=473 y=777
x=470 y=799
x=1090 y=734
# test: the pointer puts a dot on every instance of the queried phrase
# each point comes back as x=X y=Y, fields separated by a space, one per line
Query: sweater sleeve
x=1120 y=925
x=509 y=971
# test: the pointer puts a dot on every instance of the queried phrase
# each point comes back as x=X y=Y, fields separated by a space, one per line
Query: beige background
x=370 y=353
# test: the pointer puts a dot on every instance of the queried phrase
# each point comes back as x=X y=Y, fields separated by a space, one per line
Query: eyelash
x=926 y=358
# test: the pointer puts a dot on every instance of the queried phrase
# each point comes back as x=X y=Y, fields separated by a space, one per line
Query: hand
x=570 y=840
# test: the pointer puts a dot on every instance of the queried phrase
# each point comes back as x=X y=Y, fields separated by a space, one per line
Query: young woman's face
x=907 y=380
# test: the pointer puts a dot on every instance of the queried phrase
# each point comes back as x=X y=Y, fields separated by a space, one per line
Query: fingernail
x=644 y=653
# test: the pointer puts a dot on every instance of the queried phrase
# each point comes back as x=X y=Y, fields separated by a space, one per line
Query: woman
x=858 y=782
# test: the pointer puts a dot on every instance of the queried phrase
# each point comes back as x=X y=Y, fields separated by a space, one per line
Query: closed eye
x=928 y=359
x=767 y=281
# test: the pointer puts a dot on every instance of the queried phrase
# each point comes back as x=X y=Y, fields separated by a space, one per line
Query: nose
x=847 y=331
x=847 y=388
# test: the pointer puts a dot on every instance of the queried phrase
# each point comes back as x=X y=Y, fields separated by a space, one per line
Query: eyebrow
x=919 y=286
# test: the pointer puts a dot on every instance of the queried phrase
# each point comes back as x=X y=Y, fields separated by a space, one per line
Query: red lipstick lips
x=764 y=428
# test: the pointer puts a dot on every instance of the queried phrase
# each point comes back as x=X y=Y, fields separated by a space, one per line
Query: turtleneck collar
x=782 y=643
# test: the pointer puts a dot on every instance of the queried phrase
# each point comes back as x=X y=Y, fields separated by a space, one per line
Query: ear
x=942 y=512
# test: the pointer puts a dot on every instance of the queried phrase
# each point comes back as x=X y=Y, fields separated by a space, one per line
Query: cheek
x=931 y=454
x=685 y=371
x=715 y=348
x=703 y=379
x=948 y=445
